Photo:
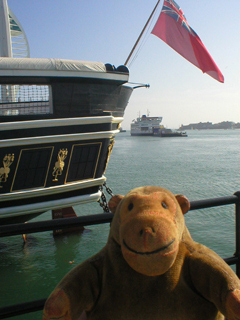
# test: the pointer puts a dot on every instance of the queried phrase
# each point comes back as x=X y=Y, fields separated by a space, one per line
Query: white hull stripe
x=58 y=138
x=48 y=205
x=40 y=192
x=58 y=122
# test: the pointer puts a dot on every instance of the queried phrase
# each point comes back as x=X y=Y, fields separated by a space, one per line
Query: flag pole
x=134 y=47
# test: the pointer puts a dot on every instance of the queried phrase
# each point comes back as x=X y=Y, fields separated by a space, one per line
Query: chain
x=103 y=202
x=109 y=190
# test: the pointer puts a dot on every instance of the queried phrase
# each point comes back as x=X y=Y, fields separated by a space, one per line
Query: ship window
x=83 y=163
x=25 y=100
x=32 y=169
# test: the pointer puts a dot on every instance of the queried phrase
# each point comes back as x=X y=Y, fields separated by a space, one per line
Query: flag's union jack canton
x=173 y=28
x=172 y=9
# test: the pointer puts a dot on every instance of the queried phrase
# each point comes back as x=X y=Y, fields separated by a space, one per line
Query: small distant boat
x=170 y=133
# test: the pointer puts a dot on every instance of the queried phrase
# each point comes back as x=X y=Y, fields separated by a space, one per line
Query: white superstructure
x=145 y=126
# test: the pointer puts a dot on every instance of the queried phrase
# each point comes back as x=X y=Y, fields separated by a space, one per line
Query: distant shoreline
x=209 y=125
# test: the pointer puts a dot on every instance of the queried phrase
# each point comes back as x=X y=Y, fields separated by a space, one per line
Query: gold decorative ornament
x=110 y=148
x=59 y=165
x=4 y=171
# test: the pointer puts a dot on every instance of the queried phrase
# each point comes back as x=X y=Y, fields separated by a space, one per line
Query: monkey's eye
x=130 y=206
x=164 y=205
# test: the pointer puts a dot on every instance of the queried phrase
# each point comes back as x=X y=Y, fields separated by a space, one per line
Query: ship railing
x=33 y=227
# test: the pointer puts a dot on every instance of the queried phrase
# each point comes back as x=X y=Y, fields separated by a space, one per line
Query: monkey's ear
x=183 y=202
x=114 y=201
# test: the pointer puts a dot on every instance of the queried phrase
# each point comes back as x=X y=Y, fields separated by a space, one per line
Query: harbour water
x=206 y=164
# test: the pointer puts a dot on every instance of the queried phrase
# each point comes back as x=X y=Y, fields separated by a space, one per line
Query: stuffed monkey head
x=148 y=224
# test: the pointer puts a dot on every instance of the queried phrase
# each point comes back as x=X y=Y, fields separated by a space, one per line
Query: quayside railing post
x=237 y=217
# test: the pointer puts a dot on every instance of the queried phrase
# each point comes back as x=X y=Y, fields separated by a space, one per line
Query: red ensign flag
x=172 y=28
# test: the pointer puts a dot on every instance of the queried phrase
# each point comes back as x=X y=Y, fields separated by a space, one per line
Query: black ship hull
x=54 y=151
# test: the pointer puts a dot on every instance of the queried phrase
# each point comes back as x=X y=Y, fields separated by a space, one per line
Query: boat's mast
x=134 y=47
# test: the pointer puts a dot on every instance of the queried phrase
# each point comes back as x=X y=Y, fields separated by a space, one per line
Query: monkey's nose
x=146 y=235
x=146 y=230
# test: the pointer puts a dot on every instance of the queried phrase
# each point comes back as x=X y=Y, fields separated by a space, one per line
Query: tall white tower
x=13 y=40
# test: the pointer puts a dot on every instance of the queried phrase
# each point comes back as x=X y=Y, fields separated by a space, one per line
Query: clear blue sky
x=106 y=31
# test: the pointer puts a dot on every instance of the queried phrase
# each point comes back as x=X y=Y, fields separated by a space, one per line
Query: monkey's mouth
x=148 y=252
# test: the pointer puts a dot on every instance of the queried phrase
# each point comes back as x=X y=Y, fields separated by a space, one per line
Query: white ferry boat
x=151 y=126
x=146 y=126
